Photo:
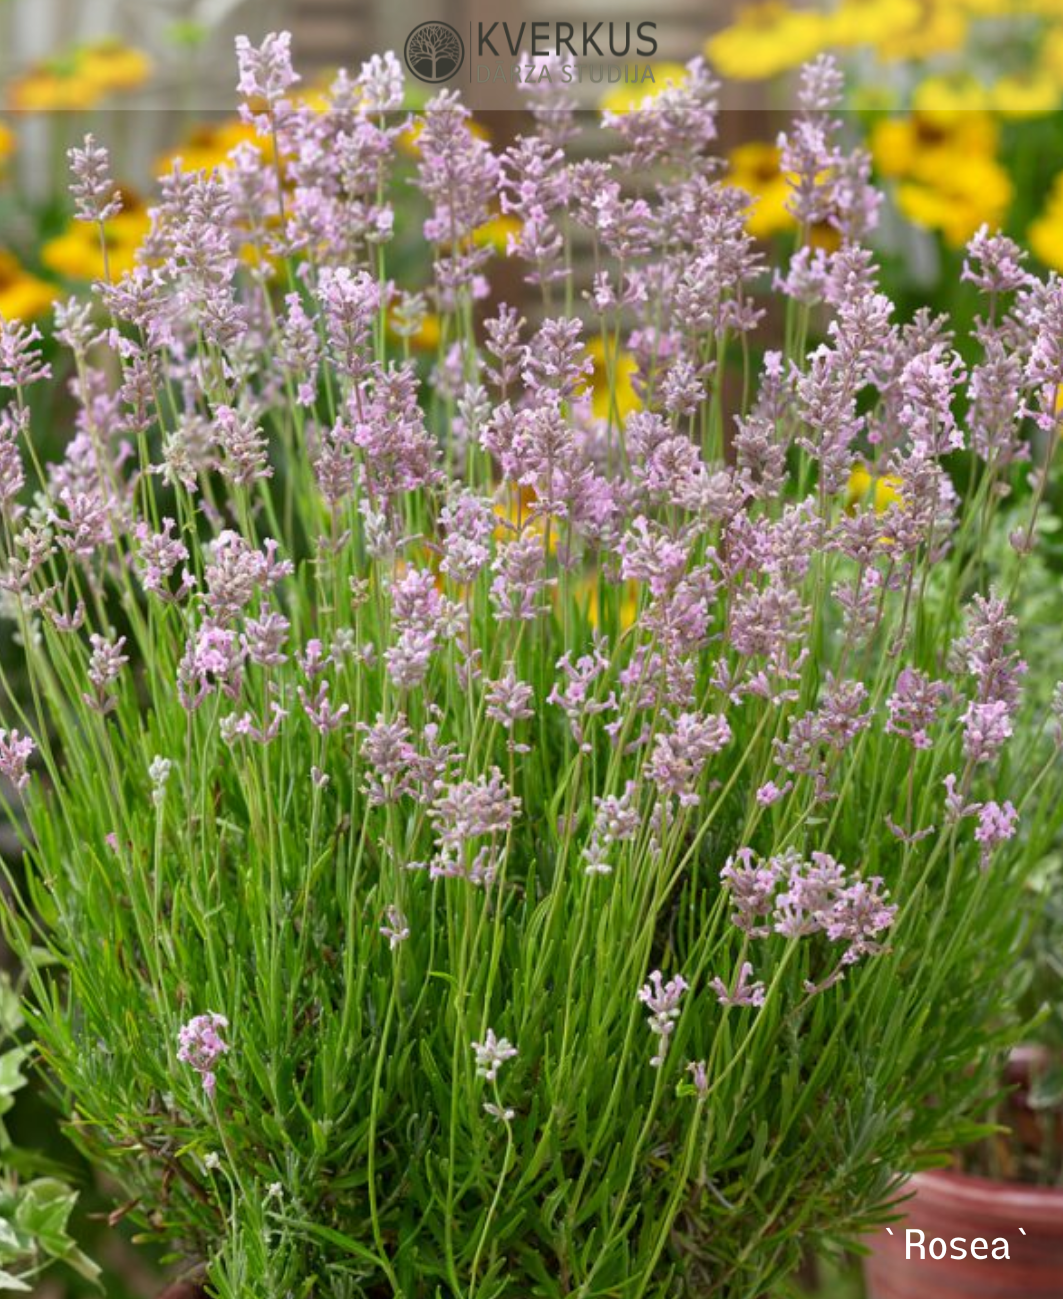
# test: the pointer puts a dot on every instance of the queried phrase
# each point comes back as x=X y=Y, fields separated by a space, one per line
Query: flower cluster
x=201 y=1045
x=789 y=895
x=663 y=1001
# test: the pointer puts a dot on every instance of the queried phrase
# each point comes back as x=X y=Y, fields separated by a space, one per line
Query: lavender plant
x=487 y=847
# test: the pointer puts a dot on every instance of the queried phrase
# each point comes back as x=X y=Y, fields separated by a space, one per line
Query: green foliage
x=34 y=1214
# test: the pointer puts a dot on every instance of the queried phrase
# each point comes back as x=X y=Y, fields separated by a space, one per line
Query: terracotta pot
x=950 y=1206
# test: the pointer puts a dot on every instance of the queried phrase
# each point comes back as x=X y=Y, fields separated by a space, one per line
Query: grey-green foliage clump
x=502 y=830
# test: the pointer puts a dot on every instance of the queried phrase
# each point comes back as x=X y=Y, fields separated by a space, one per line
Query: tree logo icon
x=434 y=51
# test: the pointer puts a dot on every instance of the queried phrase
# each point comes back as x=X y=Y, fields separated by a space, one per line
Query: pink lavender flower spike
x=491 y=1054
x=266 y=71
x=745 y=992
x=679 y=757
x=200 y=1045
x=20 y=358
x=96 y=199
x=858 y=916
x=15 y=753
x=996 y=824
x=663 y=1001
x=396 y=929
x=14 y=424
x=913 y=706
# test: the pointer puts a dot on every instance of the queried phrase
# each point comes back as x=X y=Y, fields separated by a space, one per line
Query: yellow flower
x=427 y=337
x=112 y=66
x=1045 y=235
x=77 y=255
x=874 y=22
x=940 y=29
x=977 y=192
x=80 y=78
x=627 y=98
x=767 y=39
x=951 y=180
x=53 y=87
x=495 y=233
x=754 y=167
x=208 y=147
x=942 y=99
x=22 y=295
x=516 y=511
x=881 y=491
x=8 y=143
x=1051 y=52
x=625 y=368
x=902 y=146
x=1034 y=95
x=316 y=98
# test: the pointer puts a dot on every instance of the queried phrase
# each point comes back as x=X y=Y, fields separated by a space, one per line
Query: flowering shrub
x=488 y=847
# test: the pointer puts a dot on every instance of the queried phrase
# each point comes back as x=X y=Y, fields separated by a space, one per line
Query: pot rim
x=990 y=1197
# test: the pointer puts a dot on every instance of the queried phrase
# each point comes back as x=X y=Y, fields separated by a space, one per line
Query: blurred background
x=959 y=101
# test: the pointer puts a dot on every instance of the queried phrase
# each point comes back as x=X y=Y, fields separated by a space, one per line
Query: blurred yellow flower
x=427 y=337
x=53 y=87
x=77 y=255
x=754 y=167
x=940 y=29
x=113 y=66
x=881 y=491
x=22 y=295
x=628 y=98
x=1051 y=53
x=950 y=178
x=495 y=233
x=625 y=368
x=978 y=193
x=873 y=22
x=1035 y=94
x=8 y=143
x=516 y=511
x=1045 y=235
x=943 y=99
x=902 y=145
x=208 y=146
x=767 y=39
x=80 y=78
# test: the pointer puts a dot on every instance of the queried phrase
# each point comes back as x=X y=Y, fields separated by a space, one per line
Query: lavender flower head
x=95 y=197
x=200 y=1045
x=744 y=992
x=266 y=70
x=397 y=929
x=996 y=824
x=15 y=752
x=663 y=1001
x=491 y=1054
x=20 y=359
